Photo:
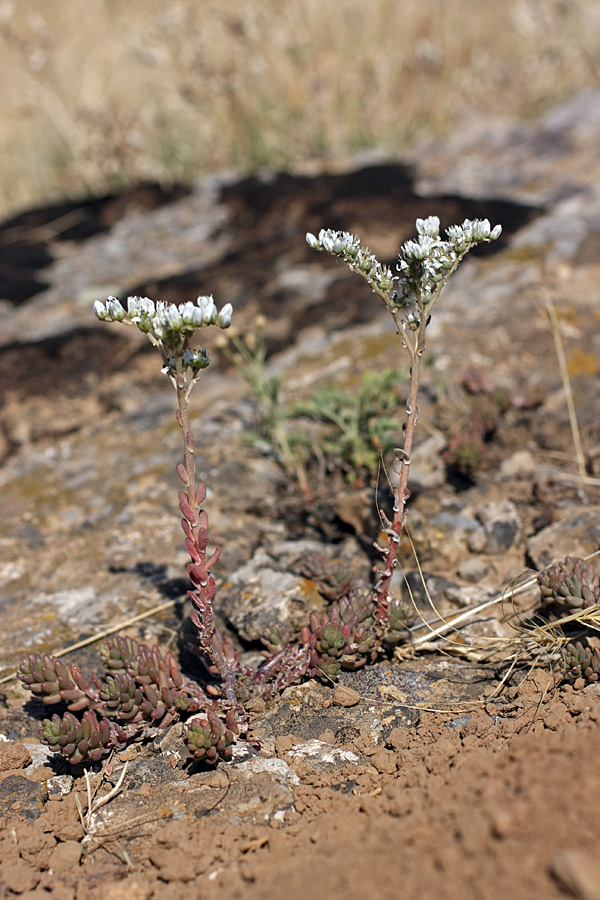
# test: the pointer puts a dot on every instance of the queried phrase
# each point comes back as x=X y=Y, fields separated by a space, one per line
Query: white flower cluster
x=164 y=321
x=423 y=265
x=341 y=243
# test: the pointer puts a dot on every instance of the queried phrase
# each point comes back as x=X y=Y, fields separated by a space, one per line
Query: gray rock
x=265 y=590
x=472 y=570
x=469 y=595
x=576 y=534
x=427 y=468
x=323 y=757
x=260 y=595
x=457 y=532
x=423 y=589
x=501 y=524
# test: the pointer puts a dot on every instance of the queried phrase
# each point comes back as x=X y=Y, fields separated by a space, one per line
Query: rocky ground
x=416 y=777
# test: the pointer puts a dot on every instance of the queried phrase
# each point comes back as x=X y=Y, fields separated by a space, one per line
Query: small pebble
x=384 y=761
x=59 y=785
x=14 y=756
x=345 y=696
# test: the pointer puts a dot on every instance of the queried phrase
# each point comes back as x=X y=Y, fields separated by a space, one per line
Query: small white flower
x=456 y=234
x=429 y=226
x=173 y=317
x=143 y=305
x=210 y=313
x=114 y=309
x=99 y=309
x=312 y=241
x=328 y=242
x=413 y=250
x=225 y=315
x=189 y=313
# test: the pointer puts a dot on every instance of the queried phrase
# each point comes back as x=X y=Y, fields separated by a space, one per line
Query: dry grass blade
x=564 y=374
x=95 y=803
x=64 y=134
x=539 y=634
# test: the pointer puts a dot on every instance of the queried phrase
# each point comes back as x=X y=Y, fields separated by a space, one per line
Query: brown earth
x=476 y=810
x=412 y=779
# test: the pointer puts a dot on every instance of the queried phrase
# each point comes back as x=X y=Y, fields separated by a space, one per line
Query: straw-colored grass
x=98 y=94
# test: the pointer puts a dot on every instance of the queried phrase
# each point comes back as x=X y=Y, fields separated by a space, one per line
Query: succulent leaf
x=401 y=617
x=581 y=662
x=82 y=741
x=207 y=738
x=571 y=583
x=49 y=678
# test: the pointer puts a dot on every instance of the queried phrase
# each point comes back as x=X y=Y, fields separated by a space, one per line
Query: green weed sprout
x=424 y=266
x=358 y=426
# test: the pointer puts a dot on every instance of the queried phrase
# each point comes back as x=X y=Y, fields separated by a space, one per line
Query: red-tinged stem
x=199 y=569
x=401 y=491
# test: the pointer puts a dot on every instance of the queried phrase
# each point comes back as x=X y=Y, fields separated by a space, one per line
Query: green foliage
x=85 y=740
x=352 y=428
x=249 y=355
x=360 y=426
x=140 y=687
x=345 y=637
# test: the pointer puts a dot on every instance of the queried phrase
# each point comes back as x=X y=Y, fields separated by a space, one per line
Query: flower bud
x=224 y=320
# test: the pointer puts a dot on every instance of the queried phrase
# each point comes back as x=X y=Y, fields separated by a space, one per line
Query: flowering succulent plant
x=143 y=689
x=424 y=265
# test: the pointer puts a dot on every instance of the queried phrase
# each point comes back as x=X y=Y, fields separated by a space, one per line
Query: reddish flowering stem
x=401 y=491
x=195 y=527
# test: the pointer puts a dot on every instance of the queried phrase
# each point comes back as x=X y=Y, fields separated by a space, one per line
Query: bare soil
x=500 y=804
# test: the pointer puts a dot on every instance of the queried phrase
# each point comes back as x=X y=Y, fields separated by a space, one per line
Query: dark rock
x=501 y=524
x=21 y=797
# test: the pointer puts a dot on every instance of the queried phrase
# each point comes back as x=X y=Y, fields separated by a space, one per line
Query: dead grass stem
x=564 y=374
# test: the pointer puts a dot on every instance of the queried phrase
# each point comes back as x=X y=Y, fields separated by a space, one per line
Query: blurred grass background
x=98 y=94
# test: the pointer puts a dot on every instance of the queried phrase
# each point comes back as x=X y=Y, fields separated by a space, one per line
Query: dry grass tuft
x=97 y=95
